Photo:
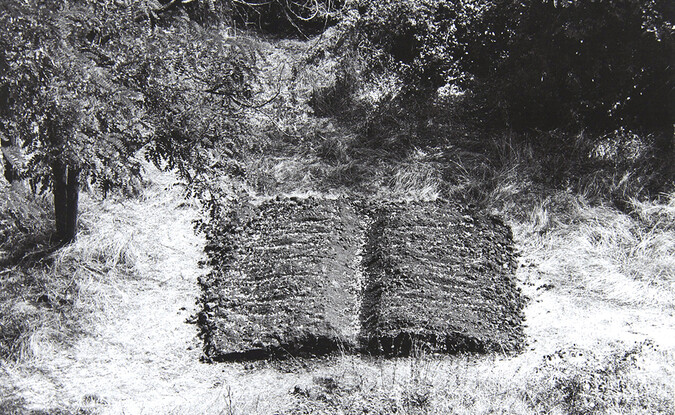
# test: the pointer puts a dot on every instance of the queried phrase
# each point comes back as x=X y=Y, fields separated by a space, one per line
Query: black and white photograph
x=337 y=207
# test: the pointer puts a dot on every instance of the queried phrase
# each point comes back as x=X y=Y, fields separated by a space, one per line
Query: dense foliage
x=427 y=41
x=287 y=17
x=594 y=64
x=543 y=64
x=196 y=83
x=65 y=97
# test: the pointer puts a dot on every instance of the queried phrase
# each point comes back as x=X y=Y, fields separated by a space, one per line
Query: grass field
x=102 y=326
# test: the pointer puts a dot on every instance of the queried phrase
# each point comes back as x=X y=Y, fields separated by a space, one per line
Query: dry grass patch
x=41 y=287
x=25 y=222
x=603 y=252
x=627 y=379
x=49 y=300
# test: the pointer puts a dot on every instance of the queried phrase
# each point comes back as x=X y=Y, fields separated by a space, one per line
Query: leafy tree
x=201 y=86
x=64 y=105
x=90 y=82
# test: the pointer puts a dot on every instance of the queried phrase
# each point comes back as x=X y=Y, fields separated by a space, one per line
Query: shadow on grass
x=31 y=254
x=11 y=403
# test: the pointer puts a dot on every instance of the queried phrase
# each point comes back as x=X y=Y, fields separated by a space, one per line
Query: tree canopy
x=90 y=82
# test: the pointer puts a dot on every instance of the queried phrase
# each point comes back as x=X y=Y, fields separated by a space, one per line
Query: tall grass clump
x=26 y=222
x=627 y=258
x=25 y=228
x=50 y=295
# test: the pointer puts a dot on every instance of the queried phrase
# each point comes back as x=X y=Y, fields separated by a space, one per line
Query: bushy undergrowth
x=576 y=381
x=26 y=222
x=288 y=17
x=349 y=129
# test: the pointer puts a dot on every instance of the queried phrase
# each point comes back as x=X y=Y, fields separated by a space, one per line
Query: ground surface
x=141 y=357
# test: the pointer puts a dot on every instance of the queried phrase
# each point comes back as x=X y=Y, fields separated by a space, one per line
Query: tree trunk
x=66 y=193
x=5 y=142
x=72 y=194
x=671 y=159
x=8 y=168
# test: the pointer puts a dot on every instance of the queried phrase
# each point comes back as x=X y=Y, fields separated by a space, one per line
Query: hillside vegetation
x=556 y=116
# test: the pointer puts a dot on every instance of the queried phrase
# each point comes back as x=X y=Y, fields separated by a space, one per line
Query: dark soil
x=309 y=277
x=439 y=278
x=290 y=282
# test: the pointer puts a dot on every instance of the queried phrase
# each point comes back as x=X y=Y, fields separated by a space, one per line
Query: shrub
x=25 y=221
x=576 y=381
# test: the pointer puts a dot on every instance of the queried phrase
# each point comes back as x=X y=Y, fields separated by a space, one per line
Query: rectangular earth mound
x=309 y=277
x=440 y=278
x=286 y=279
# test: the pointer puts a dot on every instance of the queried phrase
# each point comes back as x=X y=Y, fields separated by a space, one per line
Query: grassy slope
x=135 y=265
